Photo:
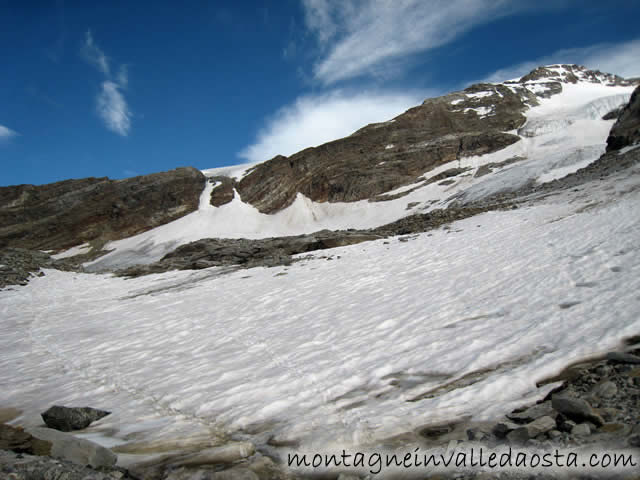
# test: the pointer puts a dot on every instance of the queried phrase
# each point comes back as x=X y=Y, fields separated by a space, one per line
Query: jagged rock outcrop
x=384 y=156
x=381 y=157
x=18 y=264
x=210 y=252
x=568 y=73
x=68 y=213
x=626 y=130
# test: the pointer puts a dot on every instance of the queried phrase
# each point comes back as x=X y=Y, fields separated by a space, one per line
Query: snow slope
x=563 y=134
x=337 y=351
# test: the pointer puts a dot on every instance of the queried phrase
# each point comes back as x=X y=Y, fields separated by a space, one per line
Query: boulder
x=532 y=413
x=75 y=450
x=531 y=430
x=581 y=430
x=576 y=409
x=67 y=419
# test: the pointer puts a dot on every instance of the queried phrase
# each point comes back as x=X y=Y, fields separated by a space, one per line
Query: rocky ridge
x=384 y=156
x=626 y=131
x=64 y=214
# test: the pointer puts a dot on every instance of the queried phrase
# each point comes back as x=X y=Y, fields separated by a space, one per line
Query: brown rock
x=68 y=213
x=19 y=441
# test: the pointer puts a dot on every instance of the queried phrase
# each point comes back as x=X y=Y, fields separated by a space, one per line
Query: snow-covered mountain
x=497 y=241
x=544 y=126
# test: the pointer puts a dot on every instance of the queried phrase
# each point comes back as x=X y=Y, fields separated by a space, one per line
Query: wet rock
x=67 y=419
x=576 y=409
x=73 y=449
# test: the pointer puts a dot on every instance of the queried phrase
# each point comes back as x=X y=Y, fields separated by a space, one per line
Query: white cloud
x=93 y=54
x=113 y=108
x=6 y=133
x=110 y=102
x=315 y=119
x=363 y=37
x=620 y=59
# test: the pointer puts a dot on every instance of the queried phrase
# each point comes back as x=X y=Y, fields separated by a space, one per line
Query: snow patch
x=73 y=251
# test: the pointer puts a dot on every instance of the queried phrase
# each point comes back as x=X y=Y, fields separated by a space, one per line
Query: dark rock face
x=67 y=419
x=63 y=214
x=626 y=130
x=381 y=157
x=212 y=252
x=384 y=156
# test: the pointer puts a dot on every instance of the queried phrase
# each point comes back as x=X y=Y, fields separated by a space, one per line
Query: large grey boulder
x=73 y=449
x=576 y=409
x=67 y=419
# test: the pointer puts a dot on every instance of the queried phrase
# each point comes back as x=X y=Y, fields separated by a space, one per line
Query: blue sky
x=126 y=88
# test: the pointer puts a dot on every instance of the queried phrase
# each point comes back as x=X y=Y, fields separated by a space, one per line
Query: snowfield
x=387 y=336
x=354 y=344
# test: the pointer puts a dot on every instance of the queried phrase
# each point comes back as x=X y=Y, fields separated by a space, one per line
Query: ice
x=77 y=250
x=232 y=171
x=593 y=110
x=563 y=134
x=320 y=350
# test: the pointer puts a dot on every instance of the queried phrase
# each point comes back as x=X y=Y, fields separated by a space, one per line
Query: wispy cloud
x=6 y=134
x=315 y=119
x=617 y=58
x=363 y=37
x=94 y=55
x=113 y=108
x=111 y=104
